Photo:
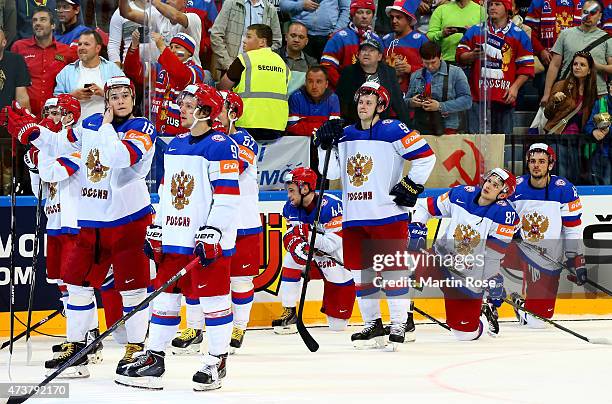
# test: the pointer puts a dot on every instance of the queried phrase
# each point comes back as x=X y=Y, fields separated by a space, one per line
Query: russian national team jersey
x=370 y=163
x=114 y=163
x=549 y=219
x=473 y=229
x=509 y=54
x=249 y=219
x=200 y=187
x=407 y=49
x=548 y=18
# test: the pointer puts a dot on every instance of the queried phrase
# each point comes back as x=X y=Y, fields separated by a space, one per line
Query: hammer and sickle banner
x=462 y=159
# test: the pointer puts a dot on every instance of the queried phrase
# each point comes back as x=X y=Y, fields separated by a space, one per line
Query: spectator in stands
x=321 y=18
x=261 y=78
x=438 y=93
x=370 y=68
x=293 y=54
x=8 y=19
x=579 y=38
x=342 y=48
x=177 y=70
x=449 y=22
x=232 y=24
x=14 y=76
x=70 y=28
x=120 y=33
x=402 y=46
x=25 y=9
x=606 y=20
x=598 y=126
x=546 y=20
x=44 y=56
x=85 y=78
x=312 y=104
x=569 y=107
x=509 y=65
x=168 y=20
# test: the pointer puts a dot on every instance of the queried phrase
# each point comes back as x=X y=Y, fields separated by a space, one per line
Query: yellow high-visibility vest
x=263 y=89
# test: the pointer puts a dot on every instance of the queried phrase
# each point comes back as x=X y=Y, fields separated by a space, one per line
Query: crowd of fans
x=449 y=66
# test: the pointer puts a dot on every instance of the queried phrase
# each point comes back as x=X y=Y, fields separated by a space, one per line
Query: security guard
x=261 y=78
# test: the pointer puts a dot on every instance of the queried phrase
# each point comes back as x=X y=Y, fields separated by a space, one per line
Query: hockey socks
x=291 y=280
x=194 y=314
x=80 y=312
x=136 y=326
x=242 y=300
x=164 y=321
x=218 y=319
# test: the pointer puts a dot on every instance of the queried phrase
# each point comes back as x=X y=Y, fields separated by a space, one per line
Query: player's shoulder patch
x=388 y=121
x=469 y=188
x=342 y=33
x=502 y=203
x=417 y=35
x=560 y=182
x=519 y=180
x=517 y=29
x=218 y=137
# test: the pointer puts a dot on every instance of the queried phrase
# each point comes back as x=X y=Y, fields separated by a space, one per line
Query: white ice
x=519 y=366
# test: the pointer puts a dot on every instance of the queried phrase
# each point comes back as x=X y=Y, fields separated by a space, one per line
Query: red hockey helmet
x=206 y=96
x=119 y=81
x=302 y=176
x=68 y=103
x=233 y=102
x=51 y=103
x=370 y=87
x=508 y=179
x=542 y=148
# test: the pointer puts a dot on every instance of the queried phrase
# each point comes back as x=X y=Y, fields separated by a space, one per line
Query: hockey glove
x=496 y=290
x=22 y=125
x=406 y=192
x=30 y=158
x=577 y=263
x=329 y=133
x=418 y=236
x=153 y=242
x=298 y=249
x=207 y=245
x=301 y=230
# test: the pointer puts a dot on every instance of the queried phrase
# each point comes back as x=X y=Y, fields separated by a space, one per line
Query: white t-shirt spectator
x=161 y=24
x=96 y=103
x=120 y=31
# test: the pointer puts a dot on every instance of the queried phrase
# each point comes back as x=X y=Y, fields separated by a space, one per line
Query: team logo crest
x=52 y=188
x=534 y=225
x=466 y=239
x=358 y=169
x=563 y=21
x=95 y=170
x=181 y=189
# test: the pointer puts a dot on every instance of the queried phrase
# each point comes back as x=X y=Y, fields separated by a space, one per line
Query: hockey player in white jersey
x=369 y=159
x=550 y=212
x=482 y=224
x=299 y=212
x=113 y=212
x=199 y=203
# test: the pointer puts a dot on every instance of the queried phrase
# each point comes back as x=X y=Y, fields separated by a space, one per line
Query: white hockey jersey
x=249 y=219
x=114 y=164
x=550 y=220
x=200 y=188
x=474 y=230
x=370 y=163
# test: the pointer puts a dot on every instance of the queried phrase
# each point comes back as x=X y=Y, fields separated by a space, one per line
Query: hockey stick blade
x=309 y=341
x=600 y=341
x=427 y=316
x=34 y=327
x=95 y=342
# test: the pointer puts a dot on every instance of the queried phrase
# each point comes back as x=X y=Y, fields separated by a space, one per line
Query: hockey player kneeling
x=481 y=226
x=299 y=212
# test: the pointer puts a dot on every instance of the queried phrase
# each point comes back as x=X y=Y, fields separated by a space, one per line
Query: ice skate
x=519 y=302
x=78 y=370
x=188 y=342
x=95 y=356
x=129 y=357
x=397 y=336
x=489 y=314
x=145 y=372
x=287 y=322
x=236 y=341
x=372 y=336
x=409 y=335
x=209 y=377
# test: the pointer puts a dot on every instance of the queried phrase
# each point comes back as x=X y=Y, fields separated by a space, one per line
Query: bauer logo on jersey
x=52 y=186
x=95 y=170
x=181 y=189
x=228 y=166
x=358 y=169
x=466 y=239
x=534 y=226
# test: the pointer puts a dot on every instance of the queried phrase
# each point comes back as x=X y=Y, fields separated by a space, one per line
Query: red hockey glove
x=22 y=125
x=301 y=230
x=208 y=247
x=298 y=249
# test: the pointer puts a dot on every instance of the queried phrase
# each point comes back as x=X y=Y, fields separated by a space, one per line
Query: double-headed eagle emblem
x=95 y=170
x=466 y=239
x=358 y=169
x=181 y=189
x=534 y=225
x=52 y=188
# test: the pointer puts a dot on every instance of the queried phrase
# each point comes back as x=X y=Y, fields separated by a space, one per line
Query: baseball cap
x=372 y=43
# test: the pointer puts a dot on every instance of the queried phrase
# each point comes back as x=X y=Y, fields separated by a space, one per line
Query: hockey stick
x=34 y=268
x=310 y=342
x=563 y=266
x=95 y=342
x=12 y=257
x=32 y=328
x=599 y=340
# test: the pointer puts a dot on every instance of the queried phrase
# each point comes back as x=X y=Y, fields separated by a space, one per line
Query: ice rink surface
x=519 y=366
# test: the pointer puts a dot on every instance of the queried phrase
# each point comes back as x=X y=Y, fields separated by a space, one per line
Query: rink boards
x=597 y=219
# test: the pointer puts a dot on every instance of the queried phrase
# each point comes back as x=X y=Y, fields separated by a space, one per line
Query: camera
x=602 y=120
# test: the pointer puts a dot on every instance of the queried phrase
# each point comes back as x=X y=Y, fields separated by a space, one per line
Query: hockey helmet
x=206 y=96
x=302 y=176
x=68 y=103
x=49 y=104
x=119 y=81
x=542 y=148
x=507 y=178
x=371 y=87
x=233 y=102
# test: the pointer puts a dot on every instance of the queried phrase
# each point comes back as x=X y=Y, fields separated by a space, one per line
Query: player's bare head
x=540 y=160
x=300 y=183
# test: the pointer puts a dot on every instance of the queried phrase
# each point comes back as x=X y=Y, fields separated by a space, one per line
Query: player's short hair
x=43 y=9
x=262 y=31
x=430 y=50
x=317 y=69
x=96 y=36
